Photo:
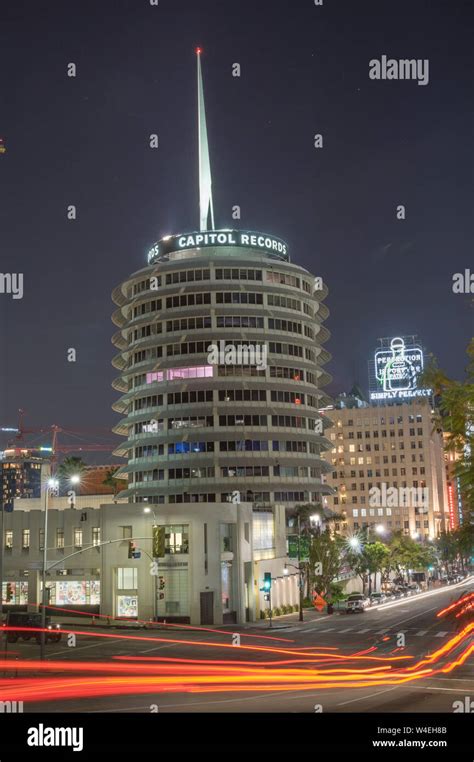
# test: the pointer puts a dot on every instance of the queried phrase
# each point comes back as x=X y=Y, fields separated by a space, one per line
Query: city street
x=319 y=643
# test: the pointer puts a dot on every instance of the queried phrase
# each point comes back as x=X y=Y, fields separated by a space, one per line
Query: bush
x=337 y=591
x=267 y=613
x=262 y=614
x=276 y=611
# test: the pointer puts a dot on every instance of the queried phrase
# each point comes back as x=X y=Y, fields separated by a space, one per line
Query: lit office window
x=78 y=538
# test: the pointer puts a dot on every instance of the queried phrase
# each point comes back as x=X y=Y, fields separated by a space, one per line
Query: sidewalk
x=280 y=622
x=290 y=620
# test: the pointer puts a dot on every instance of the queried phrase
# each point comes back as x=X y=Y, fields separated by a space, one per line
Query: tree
x=456 y=416
x=447 y=548
x=464 y=538
x=375 y=554
x=306 y=528
x=358 y=563
x=111 y=481
x=71 y=466
x=326 y=550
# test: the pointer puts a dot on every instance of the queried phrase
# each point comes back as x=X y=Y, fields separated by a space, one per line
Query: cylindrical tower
x=204 y=426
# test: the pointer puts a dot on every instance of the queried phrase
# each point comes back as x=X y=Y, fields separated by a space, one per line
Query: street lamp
x=355 y=543
x=380 y=529
x=52 y=487
x=146 y=511
x=74 y=479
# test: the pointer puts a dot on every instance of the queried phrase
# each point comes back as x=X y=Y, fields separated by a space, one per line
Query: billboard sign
x=395 y=370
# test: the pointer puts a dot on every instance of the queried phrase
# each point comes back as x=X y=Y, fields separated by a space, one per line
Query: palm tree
x=71 y=466
x=111 y=481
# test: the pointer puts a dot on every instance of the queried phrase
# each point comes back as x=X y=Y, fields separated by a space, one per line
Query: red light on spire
x=198 y=50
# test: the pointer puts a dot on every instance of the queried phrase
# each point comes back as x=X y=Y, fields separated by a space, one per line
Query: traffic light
x=162 y=583
x=132 y=547
x=158 y=542
x=267 y=581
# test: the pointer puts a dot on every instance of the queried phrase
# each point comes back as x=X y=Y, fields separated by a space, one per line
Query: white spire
x=205 y=181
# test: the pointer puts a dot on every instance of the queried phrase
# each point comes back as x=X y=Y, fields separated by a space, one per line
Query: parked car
x=395 y=593
x=26 y=619
x=376 y=598
x=357 y=602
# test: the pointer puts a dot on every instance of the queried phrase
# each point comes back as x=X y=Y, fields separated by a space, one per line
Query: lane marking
x=441 y=634
x=71 y=650
x=195 y=703
x=157 y=648
x=420 y=633
x=371 y=695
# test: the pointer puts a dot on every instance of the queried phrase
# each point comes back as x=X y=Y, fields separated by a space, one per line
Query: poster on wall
x=71 y=593
x=94 y=592
x=127 y=605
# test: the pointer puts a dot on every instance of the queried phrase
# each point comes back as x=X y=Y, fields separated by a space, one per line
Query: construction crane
x=54 y=431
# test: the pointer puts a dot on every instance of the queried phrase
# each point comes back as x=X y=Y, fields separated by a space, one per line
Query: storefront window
x=15 y=593
x=74 y=592
x=127 y=605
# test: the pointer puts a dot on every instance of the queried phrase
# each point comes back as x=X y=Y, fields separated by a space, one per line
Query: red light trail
x=145 y=675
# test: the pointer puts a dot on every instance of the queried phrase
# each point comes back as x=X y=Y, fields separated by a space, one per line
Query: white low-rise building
x=101 y=560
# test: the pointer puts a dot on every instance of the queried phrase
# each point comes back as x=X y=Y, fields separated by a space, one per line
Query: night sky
x=84 y=141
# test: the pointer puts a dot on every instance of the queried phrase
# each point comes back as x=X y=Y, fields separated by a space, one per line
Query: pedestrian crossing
x=412 y=632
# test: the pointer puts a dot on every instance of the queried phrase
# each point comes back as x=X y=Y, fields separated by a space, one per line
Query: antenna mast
x=205 y=181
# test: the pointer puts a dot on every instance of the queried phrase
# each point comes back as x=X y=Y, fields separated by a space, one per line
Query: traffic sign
x=318 y=601
x=300 y=544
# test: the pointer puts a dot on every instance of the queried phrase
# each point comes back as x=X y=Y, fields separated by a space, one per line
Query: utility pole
x=301 y=582
x=2 y=539
x=43 y=575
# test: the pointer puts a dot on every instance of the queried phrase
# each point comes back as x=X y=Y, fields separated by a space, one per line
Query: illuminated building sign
x=451 y=506
x=169 y=247
x=395 y=371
